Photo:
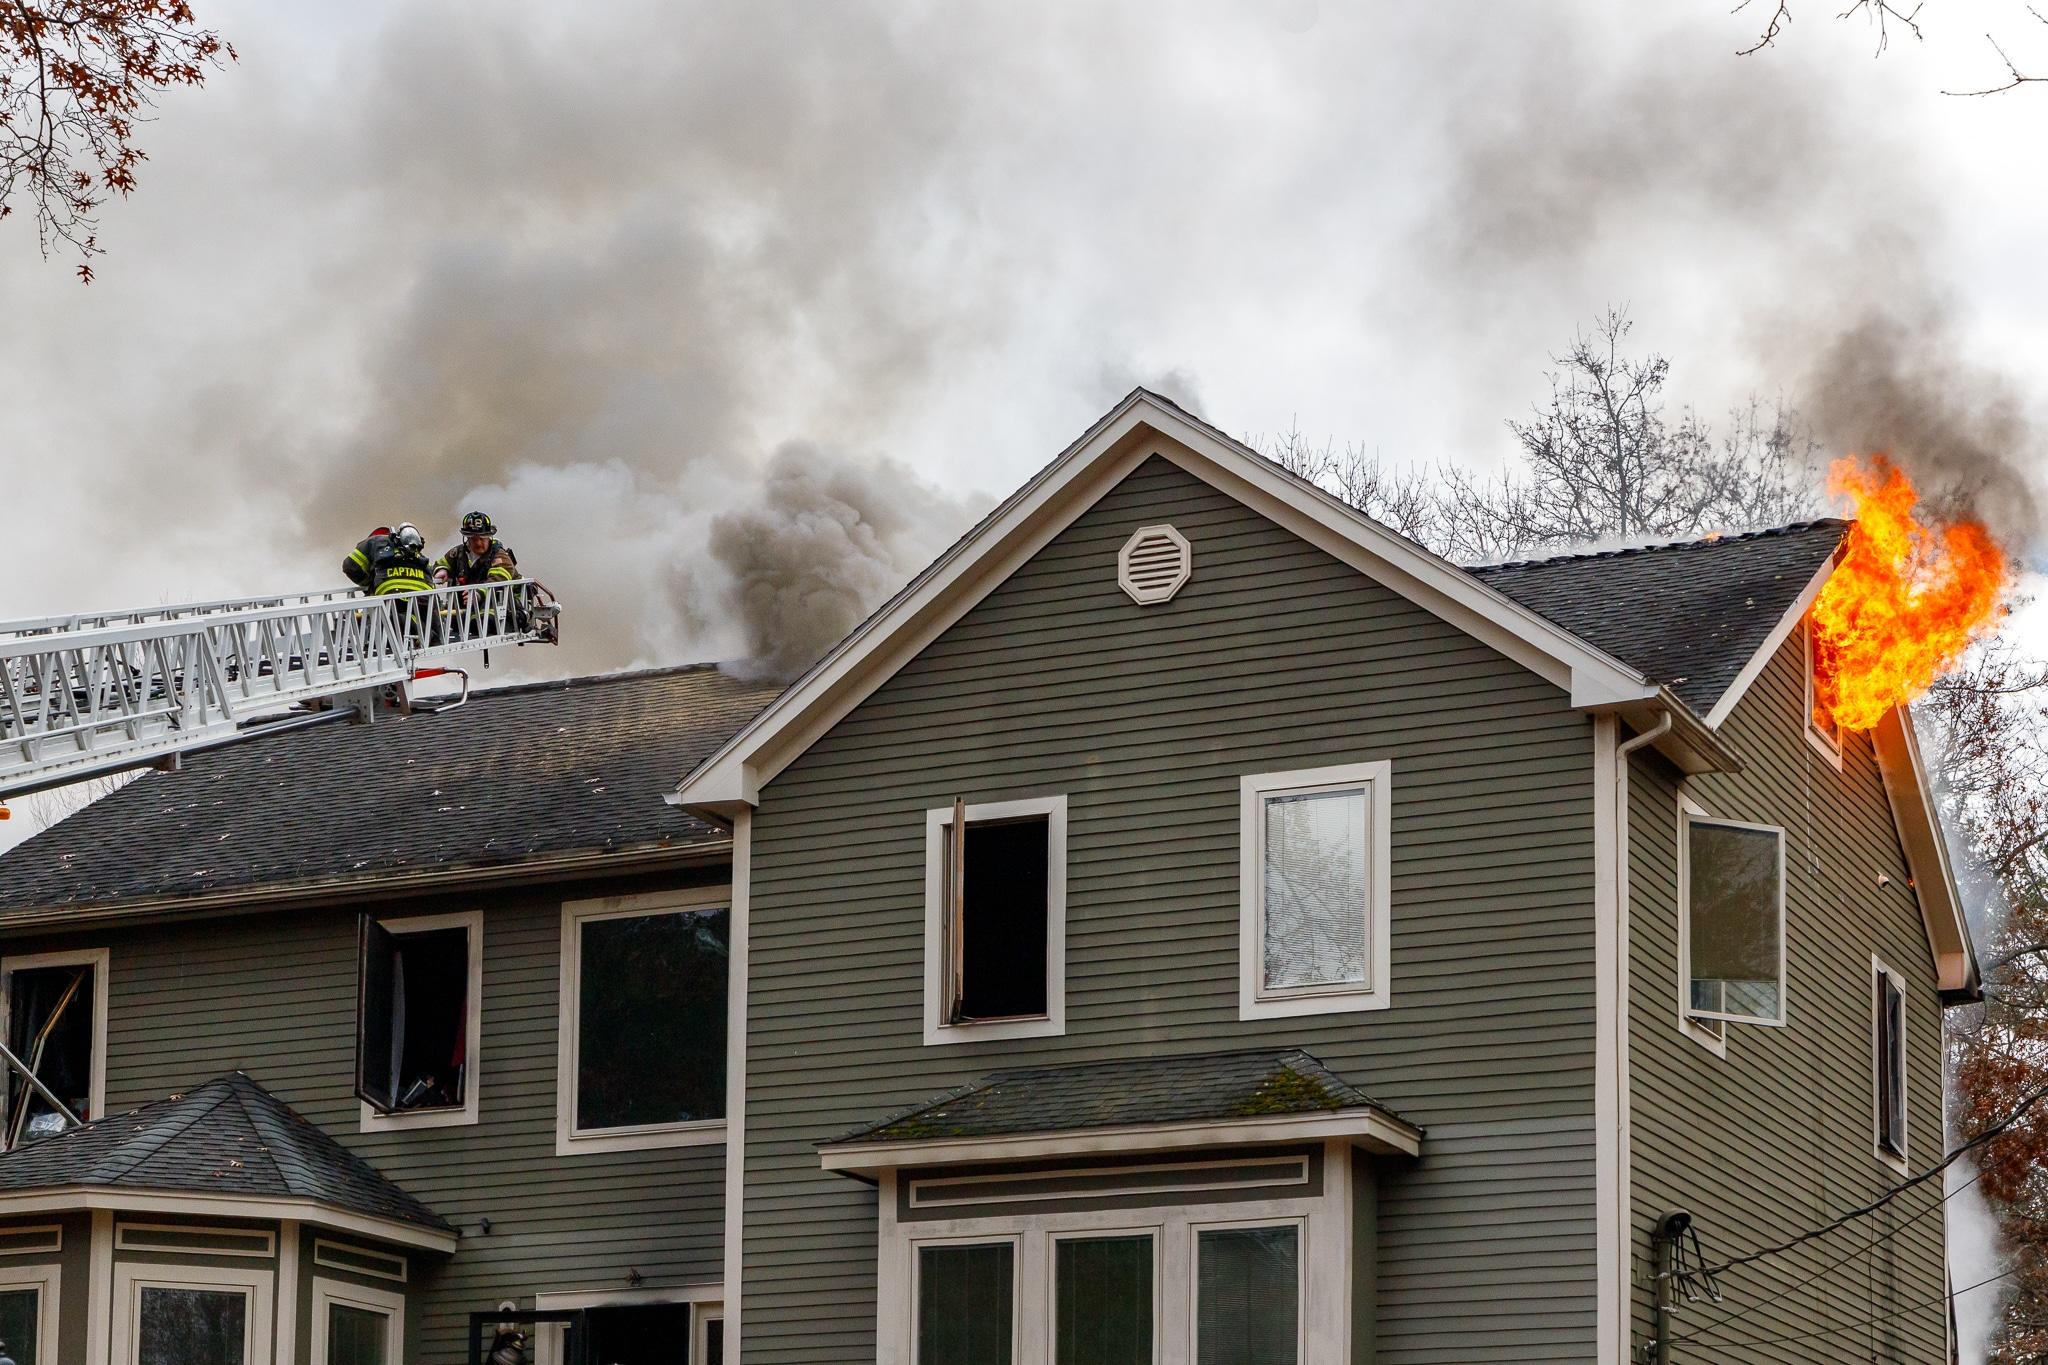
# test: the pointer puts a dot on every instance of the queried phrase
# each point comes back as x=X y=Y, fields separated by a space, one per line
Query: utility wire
x=1911 y=1182
x=1868 y=1322
x=1712 y=1329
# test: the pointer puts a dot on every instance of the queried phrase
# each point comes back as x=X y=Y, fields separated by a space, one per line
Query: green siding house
x=1189 y=923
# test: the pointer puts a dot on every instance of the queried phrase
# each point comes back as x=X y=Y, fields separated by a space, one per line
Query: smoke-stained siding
x=273 y=994
x=1274 y=656
x=1777 y=1138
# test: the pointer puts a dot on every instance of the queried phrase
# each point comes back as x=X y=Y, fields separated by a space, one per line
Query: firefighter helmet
x=409 y=537
x=478 y=524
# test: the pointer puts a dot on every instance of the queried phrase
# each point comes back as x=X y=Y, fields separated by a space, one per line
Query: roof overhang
x=1918 y=819
x=1369 y=1129
x=76 y=1198
x=1140 y=427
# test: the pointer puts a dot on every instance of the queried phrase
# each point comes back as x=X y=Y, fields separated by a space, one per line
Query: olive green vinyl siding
x=1273 y=657
x=1778 y=1137
x=273 y=994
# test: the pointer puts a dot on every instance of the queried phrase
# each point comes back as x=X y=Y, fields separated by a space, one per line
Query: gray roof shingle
x=1689 y=615
x=520 y=772
x=1207 y=1088
x=229 y=1136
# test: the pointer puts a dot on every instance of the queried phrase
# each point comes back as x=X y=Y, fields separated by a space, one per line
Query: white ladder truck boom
x=84 y=696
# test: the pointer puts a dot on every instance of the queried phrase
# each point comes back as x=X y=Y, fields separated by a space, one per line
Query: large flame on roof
x=1909 y=597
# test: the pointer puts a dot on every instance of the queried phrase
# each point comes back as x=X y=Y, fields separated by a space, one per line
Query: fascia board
x=1059 y=494
x=78 y=1198
x=1926 y=848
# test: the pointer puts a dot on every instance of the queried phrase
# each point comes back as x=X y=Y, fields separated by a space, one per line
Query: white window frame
x=1301 y=1252
x=705 y=1303
x=1696 y=1024
x=1254 y=1000
x=702 y=1315
x=101 y=961
x=47 y=1280
x=132 y=1277
x=1897 y=1161
x=1151 y=1232
x=571 y=1140
x=1051 y=1024
x=327 y=1293
x=1826 y=745
x=1018 y=1310
x=451 y=1116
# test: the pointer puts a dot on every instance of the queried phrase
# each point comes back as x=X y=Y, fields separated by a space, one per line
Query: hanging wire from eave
x=1863 y=1322
x=1713 y=1329
x=2019 y=1111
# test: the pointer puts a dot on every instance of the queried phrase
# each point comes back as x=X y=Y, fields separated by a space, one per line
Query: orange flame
x=1909 y=596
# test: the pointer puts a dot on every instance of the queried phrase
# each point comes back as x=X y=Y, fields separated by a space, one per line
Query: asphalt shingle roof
x=520 y=772
x=229 y=1136
x=1689 y=615
x=1207 y=1088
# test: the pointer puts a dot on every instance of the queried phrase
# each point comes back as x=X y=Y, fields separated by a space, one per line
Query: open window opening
x=55 y=1027
x=415 y=1015
x=1889 y=1015
x=1823 y=731
x=995 y=919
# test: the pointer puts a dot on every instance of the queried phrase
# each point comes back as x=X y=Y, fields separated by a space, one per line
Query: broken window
x=1891 y=1064
x=414 y=1017
x=996 y=925
x=1734 y=899
x=53 y=1014
x=650 y=1023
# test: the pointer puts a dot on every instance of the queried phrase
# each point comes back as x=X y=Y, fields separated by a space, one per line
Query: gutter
x=345 y=890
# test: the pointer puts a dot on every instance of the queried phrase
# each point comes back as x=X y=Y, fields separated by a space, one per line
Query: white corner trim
x=287 y=1351
x=1794 y=616
x=327 y=1294
x=101 y=961
x=99 y=1295
x=131 y=1278
x=569 y=1139
x=1151 y=593
x=1254 y=1001
x=735 y=1231
x=453 y=1116
x=1374 y=1130
x=1612 y=1229
x=1139 y=427
x=1053 y=1023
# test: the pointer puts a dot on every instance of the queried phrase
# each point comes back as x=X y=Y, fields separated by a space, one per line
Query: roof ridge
x=1694 y=543
x=596 y=679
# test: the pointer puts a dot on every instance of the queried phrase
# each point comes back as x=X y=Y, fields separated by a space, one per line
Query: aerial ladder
x=89 y=695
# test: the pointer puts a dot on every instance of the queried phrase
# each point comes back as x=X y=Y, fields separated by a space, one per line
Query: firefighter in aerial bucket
x=387 y=561
x=480 y=557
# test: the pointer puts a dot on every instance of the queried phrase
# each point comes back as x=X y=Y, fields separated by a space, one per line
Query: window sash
x=1214 y=1343
x=1711 y=997
x=1355 y=976
x=578 y=1125
x=1091 y=1324
x=982 y=1332
x=1891 y=1065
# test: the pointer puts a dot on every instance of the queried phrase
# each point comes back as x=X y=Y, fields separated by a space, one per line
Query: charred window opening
x=998 y=919
x=651 y=1019
x=1891 y=1065
x=50 y=1015
x=413 y=1008
x=635 y=1334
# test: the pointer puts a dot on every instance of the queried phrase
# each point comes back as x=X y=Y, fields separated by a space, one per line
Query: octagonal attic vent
x=1153 y=564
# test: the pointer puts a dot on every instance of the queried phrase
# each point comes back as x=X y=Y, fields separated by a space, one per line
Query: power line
x=1911 y=1182
x=1713 y=1328
x=1870 y=1322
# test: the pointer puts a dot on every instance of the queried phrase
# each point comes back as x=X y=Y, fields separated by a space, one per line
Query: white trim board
x=451 y=1116
x=104 y=1201
x=131 y=1278
x=1136 y=429
x=1926 y=848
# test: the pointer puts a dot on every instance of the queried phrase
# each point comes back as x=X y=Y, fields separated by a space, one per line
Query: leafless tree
x=1405 y=499
x=1886 y=18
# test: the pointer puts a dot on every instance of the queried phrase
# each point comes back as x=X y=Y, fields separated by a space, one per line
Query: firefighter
x=480 y=558
x=390 y=560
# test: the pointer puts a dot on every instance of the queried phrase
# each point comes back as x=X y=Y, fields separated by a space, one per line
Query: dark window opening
x=412 y=1037
x=998 y=952
x=1891 y=1065
x=642 y=1334
x=650 y=1020
x=49 y=1026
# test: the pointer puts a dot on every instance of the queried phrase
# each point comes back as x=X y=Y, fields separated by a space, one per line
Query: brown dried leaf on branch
x=76 y=79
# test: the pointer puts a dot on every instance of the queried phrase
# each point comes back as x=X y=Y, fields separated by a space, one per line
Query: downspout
x=1624 y=1158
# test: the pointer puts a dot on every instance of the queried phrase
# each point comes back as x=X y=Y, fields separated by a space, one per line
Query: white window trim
x=262 y=1243
x=101 y=961
x=1897 y=1161
x=1301 y=1252
x=569 y=1139
x=1151 y=1232
x=706 y=1302
x=1254 y=1001
x=1827 y=746
x=1692 y=1022
x=702 y=1315
x=1053 y=1023
x=131 y=1278
x=47 y=1280
x=1325 y=1227
x=327 y=1293
x=473 y=1060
